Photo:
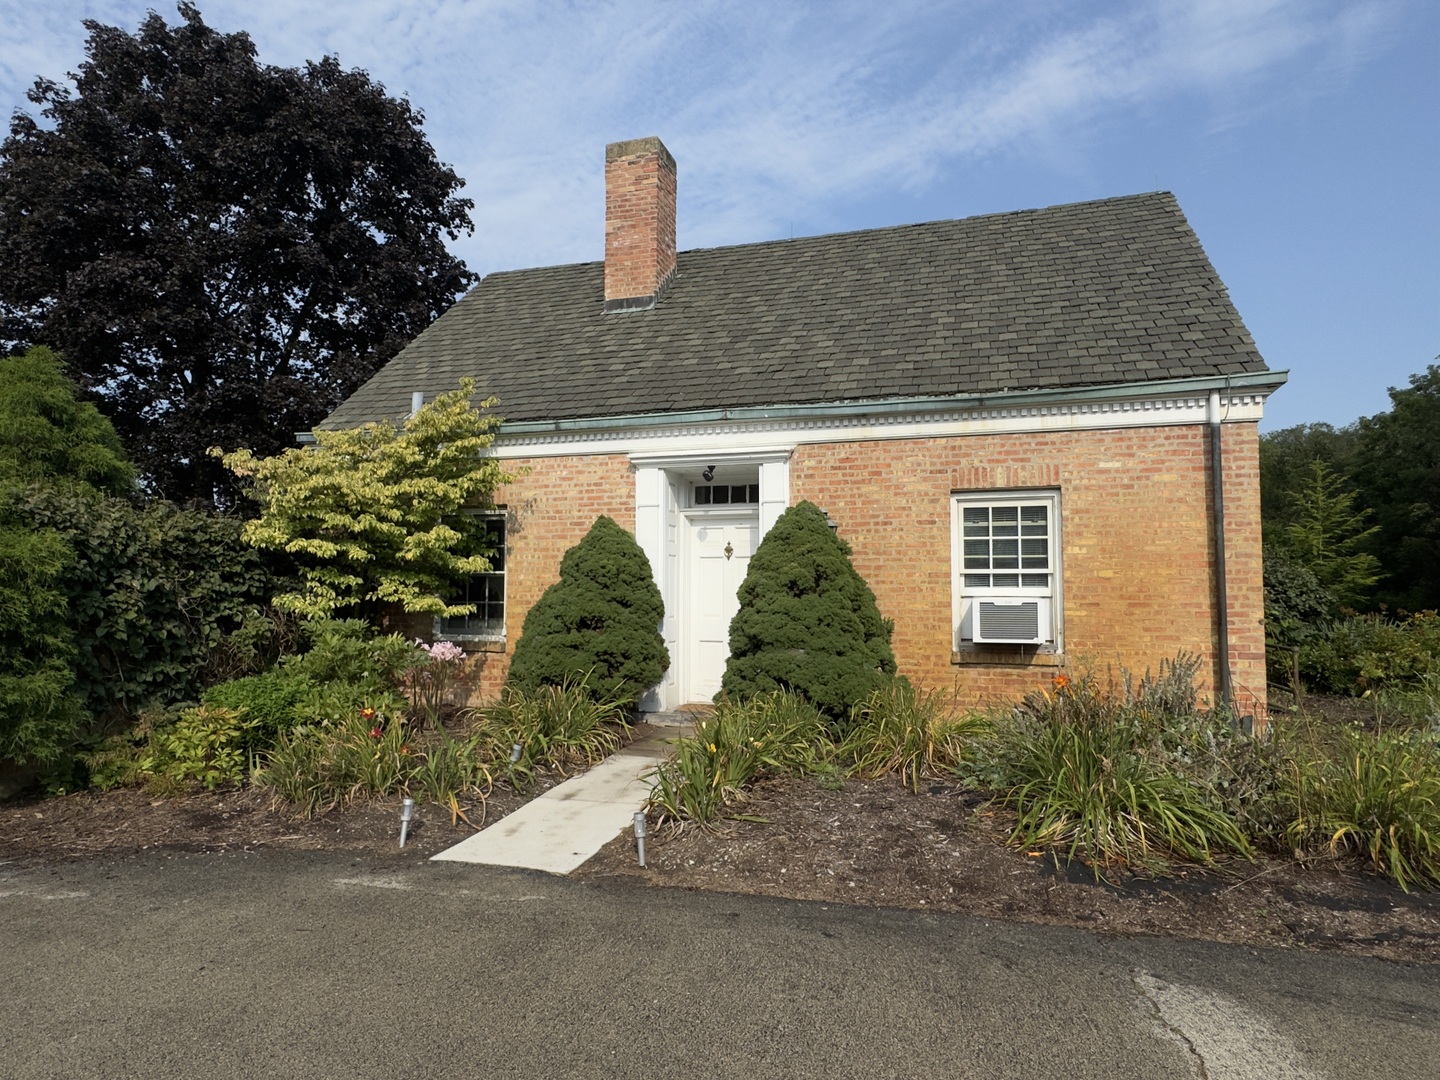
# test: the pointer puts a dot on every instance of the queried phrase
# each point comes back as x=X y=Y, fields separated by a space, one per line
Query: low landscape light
x=407 y=809
x=640 y=835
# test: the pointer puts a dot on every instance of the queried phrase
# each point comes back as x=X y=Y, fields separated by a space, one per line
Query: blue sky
x=1302 y=137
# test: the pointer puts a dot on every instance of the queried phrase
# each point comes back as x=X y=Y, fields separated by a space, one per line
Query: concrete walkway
x=571 y=822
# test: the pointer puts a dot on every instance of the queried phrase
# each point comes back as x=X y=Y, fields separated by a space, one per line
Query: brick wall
x=548 y=509
x=1137 y=559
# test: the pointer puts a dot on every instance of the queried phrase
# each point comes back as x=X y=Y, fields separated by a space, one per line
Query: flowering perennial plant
x=429 y=681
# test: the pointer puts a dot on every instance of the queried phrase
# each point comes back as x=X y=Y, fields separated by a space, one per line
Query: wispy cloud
x=767 y=106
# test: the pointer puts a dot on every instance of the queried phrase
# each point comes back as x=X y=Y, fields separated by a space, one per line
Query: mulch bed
x=93 y=824
x=878 y=844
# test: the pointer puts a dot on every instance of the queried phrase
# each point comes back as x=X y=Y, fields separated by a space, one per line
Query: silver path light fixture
x=640 y=835
x=407 y=810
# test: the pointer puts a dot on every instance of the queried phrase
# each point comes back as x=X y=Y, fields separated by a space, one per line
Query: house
x=1026 y=425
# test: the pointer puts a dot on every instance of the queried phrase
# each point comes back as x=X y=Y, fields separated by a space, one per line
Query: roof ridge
x=872 y=231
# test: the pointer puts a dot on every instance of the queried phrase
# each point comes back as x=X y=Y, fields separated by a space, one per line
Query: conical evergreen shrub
x=602 y=617
x=807 y=621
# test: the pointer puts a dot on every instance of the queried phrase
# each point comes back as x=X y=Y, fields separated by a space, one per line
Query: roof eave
x=1266 y=381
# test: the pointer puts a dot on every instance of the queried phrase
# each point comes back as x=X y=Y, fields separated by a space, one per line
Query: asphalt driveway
x=296 y=965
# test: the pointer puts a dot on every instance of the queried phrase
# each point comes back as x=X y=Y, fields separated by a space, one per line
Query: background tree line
x=1351 y=522
x=197 y=249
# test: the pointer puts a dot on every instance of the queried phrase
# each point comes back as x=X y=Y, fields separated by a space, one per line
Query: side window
x=1006 y=565
x=486 y=591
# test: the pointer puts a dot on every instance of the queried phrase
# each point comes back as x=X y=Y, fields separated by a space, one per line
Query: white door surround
x=663 y=524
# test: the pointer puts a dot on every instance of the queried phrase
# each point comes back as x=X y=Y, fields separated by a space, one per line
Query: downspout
x=1222 y=592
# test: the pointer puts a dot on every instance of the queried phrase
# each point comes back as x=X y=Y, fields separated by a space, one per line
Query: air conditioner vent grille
x=1008 y=621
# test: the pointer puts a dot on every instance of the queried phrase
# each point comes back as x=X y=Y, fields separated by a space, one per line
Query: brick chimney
x=639 y=223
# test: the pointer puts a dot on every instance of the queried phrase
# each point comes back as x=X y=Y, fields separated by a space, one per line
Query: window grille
x=727 y=494
x=486 y=591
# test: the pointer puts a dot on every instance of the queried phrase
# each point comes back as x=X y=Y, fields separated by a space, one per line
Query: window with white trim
x=1006 y=567
x=486 y=591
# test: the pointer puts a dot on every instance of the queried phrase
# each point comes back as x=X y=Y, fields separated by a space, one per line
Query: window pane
x=485 y=591
x=1035 y=581
x=1005 y=548
x=977 y=515
x=1010 y=515
x=495 y=540
x=977 y=549
x=754 y=494
x=1007 y=581
x=702 y=496
x=977 y=581
x=1034 y=547
x=1030 y=514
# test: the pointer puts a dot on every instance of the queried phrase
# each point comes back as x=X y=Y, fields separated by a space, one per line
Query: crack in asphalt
x=1145 y=984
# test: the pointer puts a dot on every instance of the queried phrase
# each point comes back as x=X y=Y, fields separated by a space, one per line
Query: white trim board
x=771 y=438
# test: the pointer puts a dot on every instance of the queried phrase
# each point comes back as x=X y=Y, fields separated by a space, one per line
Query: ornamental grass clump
x=899 y=730
x=565 y=727
x=333 y=763
x=449 y=769
x=778 y=732
x=807 y=622
x=601 y=620
x=1083 y=774
x=1375 y=796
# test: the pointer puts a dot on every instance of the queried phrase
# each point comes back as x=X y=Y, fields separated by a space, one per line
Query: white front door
x=718 y=553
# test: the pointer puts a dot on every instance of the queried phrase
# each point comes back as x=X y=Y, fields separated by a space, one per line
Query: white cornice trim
x=748 y=455
x=776 y=435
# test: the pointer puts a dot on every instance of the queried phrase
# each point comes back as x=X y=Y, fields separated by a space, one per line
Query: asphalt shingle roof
x=1095 y=293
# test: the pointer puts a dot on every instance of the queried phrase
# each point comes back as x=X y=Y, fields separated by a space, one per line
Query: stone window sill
x=478 y=645
x=1001 y=657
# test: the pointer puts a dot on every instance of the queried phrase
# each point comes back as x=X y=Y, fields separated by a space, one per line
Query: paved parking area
x=293 y=965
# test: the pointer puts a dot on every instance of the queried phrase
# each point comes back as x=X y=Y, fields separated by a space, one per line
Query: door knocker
x=729 y=550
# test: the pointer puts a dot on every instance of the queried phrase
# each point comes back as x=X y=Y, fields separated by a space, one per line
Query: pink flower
x=445 y=652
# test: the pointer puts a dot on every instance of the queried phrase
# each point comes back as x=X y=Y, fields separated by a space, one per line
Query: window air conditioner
x=1010 y=620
